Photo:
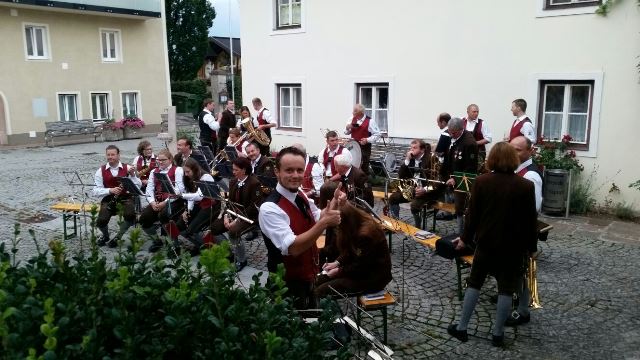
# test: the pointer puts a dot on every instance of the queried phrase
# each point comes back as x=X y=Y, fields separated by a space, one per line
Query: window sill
x=288 y=31
x=109 y=61
x=541 y=12
x=38 y=59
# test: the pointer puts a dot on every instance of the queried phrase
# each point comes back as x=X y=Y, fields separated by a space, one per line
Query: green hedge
x=197 y=89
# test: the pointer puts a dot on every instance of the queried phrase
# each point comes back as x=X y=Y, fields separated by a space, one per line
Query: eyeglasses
x=162 y=159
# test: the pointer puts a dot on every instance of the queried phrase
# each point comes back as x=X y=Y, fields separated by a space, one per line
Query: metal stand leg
x=384 y=323
x=459 y=271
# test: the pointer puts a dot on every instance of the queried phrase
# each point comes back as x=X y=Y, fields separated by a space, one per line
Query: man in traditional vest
x=291 y=224
x=332 y=149
x=365 y=131
x=265 y=122
x=444 y=141
x=354 y=181
x=161 y=206
x=313 y=180
x=261 y=166
x=108 y=187
x=478 y=128
x=227 y=120
x=208 y=126
x=185 y=149
x=522 y=125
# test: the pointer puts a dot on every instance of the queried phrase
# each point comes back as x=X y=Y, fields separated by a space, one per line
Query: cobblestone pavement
x=588 y=280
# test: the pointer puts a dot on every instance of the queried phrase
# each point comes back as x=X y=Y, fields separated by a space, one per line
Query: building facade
x=407 y=61
x=78 y=60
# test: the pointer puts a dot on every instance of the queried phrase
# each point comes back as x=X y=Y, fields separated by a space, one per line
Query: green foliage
x=556 y=155
x=188 y=95
x=606 y=6
x=188 y=134
x=83 y=308
x=188 y=23
x=624 y=211
x=237 y=85
x=582 y=198
x=635 y=185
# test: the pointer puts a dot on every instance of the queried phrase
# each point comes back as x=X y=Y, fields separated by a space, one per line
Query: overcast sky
x=221 y=25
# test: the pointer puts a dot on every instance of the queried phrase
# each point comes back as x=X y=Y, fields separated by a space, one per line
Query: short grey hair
x=456 y=124
x=360 y=107
x=299 y=147
x=342 y=159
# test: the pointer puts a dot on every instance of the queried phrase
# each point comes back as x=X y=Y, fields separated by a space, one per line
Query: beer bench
x=72 y=127
x=71 y=211
x=378 y=304
x=441 y=206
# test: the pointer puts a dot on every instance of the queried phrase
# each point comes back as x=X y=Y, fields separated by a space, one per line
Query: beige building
x=407 y=61
x=77 y=60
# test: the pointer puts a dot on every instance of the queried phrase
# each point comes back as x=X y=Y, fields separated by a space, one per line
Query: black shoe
x=497 y=340
x=516 y=319
x=112 y=243
x=458 y=334
x=241 y=265
x=252 y=235
x=157 y=245
x=195 y=251
x=102 y=241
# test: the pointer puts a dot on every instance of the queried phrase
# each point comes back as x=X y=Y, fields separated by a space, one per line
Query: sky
x=221 y=22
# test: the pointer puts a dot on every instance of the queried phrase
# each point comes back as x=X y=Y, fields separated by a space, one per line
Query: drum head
x=389 y=161
x=356 y=153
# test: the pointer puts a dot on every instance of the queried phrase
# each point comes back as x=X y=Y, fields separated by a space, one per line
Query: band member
x=200 y=210
x=502 y=220
x=522 y=125
x=313 y=179
x=244 y=190
x=291 y=224
x=365 y=131
x=332 y=149
x=208 y=126
x=185 y=149
x=264 y=121
x=112 y=193
x=227 y=120
x=353 y=180
x=145 y=162
x=241 y=146
x=478 y=128
x=462 y=157
x=245 y=114
x=444 y=142
x=417 y=166
x=161 y=206
x=261 y=166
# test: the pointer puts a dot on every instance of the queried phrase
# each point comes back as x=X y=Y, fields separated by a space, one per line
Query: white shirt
x=486 y=132
x=536 y=179
x=178 y=187
x=210 y=120
x=527 y=128
x=275 y=223
x=135 y=160
x=244 y=145
x=99 y=190
x=316 y=175
x=373 y=128
x=255 y=163
x=331 y=154
x=266 y=116
x=194 y=197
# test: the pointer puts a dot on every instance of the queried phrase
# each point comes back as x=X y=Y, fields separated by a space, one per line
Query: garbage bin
x=554 y=191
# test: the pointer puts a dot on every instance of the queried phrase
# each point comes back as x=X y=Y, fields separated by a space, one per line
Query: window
x=36 y=42
x=564 y=4
x=288 y=14
x=375 y=98
x=290 y=105
x=110 y=45
x=565 y=108
x=130 y=104
x=68 y=107
x=99 y=106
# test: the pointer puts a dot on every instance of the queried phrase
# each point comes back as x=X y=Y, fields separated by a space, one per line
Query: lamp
x=223 y=96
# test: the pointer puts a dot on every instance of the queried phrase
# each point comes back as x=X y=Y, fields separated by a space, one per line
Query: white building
x=407 y=61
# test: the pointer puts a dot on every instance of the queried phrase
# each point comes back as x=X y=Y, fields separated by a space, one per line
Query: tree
x=188 y=23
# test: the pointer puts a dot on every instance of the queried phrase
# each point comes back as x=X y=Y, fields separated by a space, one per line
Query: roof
x=217 y=43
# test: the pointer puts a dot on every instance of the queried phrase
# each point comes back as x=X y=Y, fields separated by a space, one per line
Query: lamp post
x=233 y=88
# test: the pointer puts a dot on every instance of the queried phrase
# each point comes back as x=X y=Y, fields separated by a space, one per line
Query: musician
x=478 y=128
x=332 y=149
x=502 y=220
x=260 y=164
x=313 y=179
x=417 y=166
x=461 y=157
x=291 y=224
x=208 y=126
x=522 y=125
x=200 y=210
x=233 y=140
x=444 y=141
x=365 y=131
x=245 y=196
x=245 y=114
x=185 y=149
x=264 y=121
x=353 y=180
x=227 y=120
x=112 y=193
x=161 y=206
x=145 y=162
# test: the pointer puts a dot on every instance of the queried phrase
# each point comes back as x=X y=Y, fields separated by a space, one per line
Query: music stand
x=165 y=183
x=206 y=151
x=224 y=169
x=202 y=161
x=74 y=180
x=128 y=185
x=378 y=168
x=268 y=181
x=464 y=181
x=231 y=152
x=209 y=189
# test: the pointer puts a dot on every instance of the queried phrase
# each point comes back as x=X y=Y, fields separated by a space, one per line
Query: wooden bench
x=71 y=211
x=378 y=304
x=441 y=206
x=72 y=127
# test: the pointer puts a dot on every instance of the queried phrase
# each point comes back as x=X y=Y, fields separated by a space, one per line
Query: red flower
x=572 y=153
x=567 y=138
x=540 y=139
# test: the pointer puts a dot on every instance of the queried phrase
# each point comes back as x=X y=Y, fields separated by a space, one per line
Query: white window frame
x=46 y=42
x=372 y=111
x=118 y=45
x=78 y=104
x=541 y=12
x=138 y=102
x=566 y=104
x=277 y=30
x=109 y=105
x=291 y=107
x=275 y=112
x=596 y=102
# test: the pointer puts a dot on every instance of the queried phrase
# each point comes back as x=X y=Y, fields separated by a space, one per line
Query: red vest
x=327 y=161
x=362 y=131
x=304 y=266
x=110 y=181
x=140 y=166
x=261 y=120
x=477 y=133
x=515 y=128
x=159 y=194
x=239 y=147
x=307 y=181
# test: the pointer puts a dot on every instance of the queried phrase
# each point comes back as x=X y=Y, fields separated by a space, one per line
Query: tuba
x=258 y=135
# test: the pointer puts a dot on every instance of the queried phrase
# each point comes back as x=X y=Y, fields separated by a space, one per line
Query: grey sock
x=468 y=305
x=123 y=228
x=502 y=313
x=525 y=298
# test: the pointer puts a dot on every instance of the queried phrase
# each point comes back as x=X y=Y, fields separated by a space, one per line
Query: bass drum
x=356 y=153
x=389 y=161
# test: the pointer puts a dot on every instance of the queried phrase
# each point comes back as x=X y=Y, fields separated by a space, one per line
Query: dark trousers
x=213 y=145
x=149 y=216
x=109 y=209
x=264 y=150
x=366 y=157
x=198 y=221
x=508 y=271
x=302 y=293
